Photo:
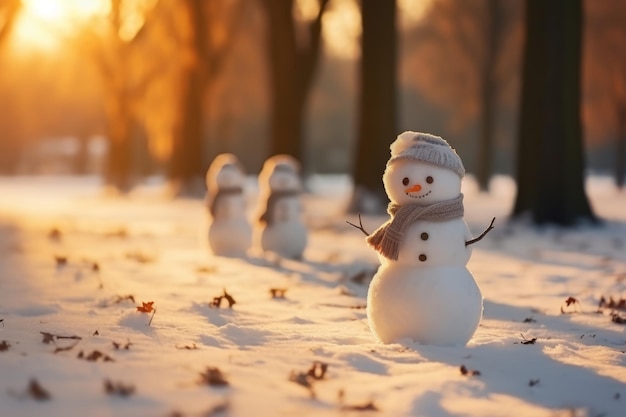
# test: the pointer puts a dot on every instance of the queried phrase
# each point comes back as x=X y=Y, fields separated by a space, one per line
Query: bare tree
x=377 y=104
x=126 y=73
x=9 y=149
x=211 y=30
x=464 y=54
x=605 y=78
x=550 y=156
x=293 y=60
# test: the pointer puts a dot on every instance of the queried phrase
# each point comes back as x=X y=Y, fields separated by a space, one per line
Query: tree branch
x=309 y=54
x=360 y=226
x=482 y=235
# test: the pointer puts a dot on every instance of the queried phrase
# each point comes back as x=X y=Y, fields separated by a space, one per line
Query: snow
x=154 y=249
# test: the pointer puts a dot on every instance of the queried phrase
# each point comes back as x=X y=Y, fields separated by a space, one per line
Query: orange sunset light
x=42 y=24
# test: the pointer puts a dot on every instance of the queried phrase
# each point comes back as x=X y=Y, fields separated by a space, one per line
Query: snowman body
x=424 y=292
x=433 y=305
x=230 y=232
x=280 y=228
x=429 y=243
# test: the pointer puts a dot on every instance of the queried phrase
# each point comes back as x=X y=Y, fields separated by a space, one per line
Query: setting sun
x=42 y=22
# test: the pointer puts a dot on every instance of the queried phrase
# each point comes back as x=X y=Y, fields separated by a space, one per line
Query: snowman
x=230 y=232
x=422 y=289
x=280 y=229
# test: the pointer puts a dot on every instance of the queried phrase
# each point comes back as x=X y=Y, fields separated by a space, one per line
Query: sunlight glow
x=41 y=22
x=342 y=22
x=342 y=29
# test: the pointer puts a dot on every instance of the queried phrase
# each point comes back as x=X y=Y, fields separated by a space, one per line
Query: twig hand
x=360 y=226
x=482 y=235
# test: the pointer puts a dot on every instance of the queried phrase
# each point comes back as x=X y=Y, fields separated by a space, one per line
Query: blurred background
x=127 y=89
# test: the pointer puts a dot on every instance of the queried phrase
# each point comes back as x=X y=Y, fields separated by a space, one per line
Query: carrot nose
x=413 y=189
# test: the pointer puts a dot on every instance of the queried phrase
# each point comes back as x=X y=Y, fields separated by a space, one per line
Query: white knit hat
x=427 y=148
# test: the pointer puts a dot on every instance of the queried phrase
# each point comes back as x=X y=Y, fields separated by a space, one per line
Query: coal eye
x=429 y=179
x=405 y=181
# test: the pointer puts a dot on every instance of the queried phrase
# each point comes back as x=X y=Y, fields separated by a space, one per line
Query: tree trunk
x=488 y=83
x=292 y=67
x=119 y=161
x=189 y=161
x=377 y=104
x=620 y=151
x=550 y=162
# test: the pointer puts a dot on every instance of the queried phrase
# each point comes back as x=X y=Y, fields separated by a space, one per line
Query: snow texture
x=70 y=257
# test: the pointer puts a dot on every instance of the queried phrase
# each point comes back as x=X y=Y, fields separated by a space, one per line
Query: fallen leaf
x=47 y=337
x=619 y=304
x=217 y=301
x=54 y=234
x=568 y=302
x=230 y=299
x=465 y=371
x=36 y=391
x=119 y=298
x=318 y=370
x=146 y=307
x=94 y=356
x=278 y=292
x=528 y=341
x=118 y=346
x=369 y=406
x=187 y=347
x=140 y=257
x=213 y=376
x=61 y=261
x=616 y=318
x=118 y=388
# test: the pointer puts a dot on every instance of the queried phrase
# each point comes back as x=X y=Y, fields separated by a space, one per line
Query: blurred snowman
x=230 y=232
x=280 y=228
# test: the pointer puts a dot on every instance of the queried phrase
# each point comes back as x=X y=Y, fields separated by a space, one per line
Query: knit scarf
x=387 y=238
x=221 y=192
x=268 y=215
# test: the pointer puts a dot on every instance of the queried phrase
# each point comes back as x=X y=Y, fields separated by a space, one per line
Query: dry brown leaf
x=146 y=307
x=369 y=406
x=4 y=346
x=36 y=391
x=118 y=388
x=213 y=376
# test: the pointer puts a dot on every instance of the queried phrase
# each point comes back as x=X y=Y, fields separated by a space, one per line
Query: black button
x=424 y=236
x=422 y=257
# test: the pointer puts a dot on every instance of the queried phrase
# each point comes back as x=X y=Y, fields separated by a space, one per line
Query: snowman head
x=280 y=173
x=423 y=169
x=225 y=172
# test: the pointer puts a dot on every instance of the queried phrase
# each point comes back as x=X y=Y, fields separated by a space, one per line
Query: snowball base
x=431 y=305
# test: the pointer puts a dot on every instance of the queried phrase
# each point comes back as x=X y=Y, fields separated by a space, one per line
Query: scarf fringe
x=387 y=247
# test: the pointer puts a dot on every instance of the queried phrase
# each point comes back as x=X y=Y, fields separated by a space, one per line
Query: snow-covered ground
x=533 y=360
